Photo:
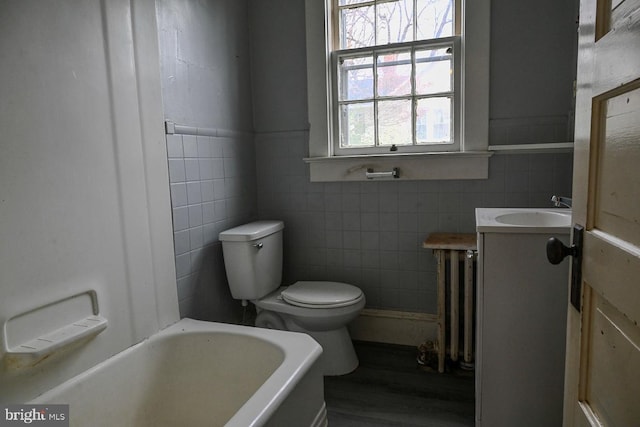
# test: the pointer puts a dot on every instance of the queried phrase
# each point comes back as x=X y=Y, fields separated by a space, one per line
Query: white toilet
x=253 y=260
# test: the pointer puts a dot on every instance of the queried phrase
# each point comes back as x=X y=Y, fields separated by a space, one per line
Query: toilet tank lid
x=251 y=231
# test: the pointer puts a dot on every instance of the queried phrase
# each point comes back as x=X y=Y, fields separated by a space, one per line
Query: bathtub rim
x=300 y=353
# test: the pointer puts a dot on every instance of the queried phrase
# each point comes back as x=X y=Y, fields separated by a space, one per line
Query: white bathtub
x=199 y=373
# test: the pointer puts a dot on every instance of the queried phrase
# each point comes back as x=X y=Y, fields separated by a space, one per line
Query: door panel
x=613 y=272
x=616 y=207
x=616 y=50
x=613 y=360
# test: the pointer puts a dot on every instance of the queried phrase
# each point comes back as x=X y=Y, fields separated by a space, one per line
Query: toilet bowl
x=321 y=309
x=326 y=324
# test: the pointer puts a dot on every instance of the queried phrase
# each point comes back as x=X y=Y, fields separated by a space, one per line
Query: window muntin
x=400 y=96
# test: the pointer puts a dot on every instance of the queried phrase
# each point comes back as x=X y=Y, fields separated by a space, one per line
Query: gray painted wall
x=205 y=70
x=533 y=54
x=533 y=62
x=240 y=65
x=205 y=63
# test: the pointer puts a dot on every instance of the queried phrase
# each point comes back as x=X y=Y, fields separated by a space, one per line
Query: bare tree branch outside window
x=393 y=22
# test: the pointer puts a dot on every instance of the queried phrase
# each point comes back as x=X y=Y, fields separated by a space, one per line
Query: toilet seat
x=309 y=294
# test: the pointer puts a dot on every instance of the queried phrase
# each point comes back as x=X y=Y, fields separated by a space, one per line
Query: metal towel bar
x=395 y=173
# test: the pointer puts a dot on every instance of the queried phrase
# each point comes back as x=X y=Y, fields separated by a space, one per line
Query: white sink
x=536 y=219
x=531 y=220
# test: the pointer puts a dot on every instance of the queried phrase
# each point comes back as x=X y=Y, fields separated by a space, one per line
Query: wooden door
x=602 y=383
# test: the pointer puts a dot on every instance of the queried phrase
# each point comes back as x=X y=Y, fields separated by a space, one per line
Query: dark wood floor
x=390 y=389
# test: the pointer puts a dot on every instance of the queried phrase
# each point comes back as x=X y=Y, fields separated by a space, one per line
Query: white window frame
x=454 y=43
x=470 y=161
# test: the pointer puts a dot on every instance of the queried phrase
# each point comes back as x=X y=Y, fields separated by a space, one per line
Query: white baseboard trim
x=394 y=327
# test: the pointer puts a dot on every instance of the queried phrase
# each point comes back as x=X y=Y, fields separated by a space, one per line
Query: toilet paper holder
x=370 y=174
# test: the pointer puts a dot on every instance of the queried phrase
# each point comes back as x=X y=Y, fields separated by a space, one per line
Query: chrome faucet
x=560 y=202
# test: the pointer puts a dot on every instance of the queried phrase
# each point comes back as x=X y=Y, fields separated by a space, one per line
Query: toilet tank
x=253 y=258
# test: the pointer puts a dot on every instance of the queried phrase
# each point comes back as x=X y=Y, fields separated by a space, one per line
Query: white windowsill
x=423 y=166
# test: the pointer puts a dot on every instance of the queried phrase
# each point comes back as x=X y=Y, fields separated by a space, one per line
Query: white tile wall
x=213 y=187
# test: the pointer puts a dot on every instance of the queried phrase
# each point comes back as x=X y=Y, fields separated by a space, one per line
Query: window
x=395 y=76
x=395 y=82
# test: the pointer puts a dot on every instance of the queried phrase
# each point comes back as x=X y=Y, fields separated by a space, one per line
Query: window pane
x=394 y=122
x=434 y=19
x=356 y=78
x=357 y=27
x=394 y=74
x=357 y=125
x=433 y=71
x=395 y=22
x=433 y=120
